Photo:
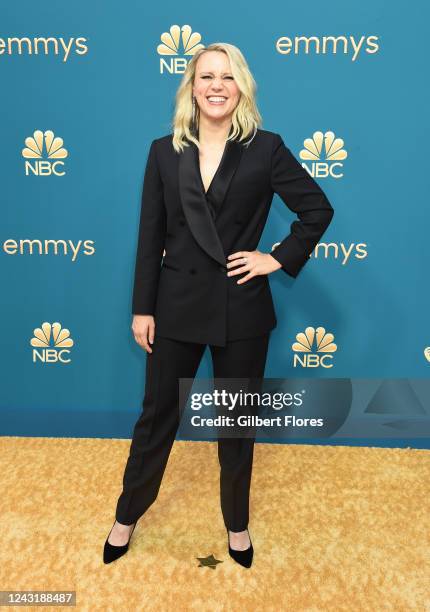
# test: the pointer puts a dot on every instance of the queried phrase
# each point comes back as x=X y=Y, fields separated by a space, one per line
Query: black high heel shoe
x=111 y=552
x=243 y=557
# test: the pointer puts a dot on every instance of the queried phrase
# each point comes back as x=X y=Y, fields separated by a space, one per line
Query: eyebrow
x=209 y=72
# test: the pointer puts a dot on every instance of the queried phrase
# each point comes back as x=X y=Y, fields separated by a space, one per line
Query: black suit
x=194 y=303
x=190 y=295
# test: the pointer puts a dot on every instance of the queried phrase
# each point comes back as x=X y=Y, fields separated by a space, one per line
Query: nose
x=216 y=85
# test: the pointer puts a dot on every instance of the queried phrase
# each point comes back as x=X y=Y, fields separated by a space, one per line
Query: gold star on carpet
x=208 y=561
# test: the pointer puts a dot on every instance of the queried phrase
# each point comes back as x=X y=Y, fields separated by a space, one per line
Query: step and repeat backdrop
x=87 y=86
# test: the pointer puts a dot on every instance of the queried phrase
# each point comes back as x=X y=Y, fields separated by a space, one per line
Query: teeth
x=216 y=98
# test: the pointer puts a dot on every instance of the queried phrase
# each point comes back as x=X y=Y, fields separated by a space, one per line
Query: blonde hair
x=245 y=118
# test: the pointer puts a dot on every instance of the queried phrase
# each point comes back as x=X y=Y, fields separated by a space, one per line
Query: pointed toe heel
x=111 y=552
x=243 y=557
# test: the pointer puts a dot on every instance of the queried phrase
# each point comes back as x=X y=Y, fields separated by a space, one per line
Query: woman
x=206 y=196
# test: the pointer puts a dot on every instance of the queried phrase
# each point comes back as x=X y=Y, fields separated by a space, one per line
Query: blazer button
x=193 y=270
x=182 y=222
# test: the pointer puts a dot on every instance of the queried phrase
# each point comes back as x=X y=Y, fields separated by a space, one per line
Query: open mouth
x=216 y=100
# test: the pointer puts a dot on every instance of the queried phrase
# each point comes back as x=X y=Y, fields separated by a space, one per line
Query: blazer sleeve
x=151 y=238
x=302 y=195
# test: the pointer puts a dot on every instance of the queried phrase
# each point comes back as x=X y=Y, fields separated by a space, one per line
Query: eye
x=207 y=76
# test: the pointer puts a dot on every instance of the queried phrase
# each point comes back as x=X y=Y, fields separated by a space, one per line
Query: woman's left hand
x=253 y=262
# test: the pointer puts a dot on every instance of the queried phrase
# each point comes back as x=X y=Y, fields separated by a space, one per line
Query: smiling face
x=215 y=89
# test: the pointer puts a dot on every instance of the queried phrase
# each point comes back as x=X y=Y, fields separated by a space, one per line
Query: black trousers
x=156 y=428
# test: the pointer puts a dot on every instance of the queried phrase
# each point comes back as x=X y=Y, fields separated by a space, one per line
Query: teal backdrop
x=109 y=96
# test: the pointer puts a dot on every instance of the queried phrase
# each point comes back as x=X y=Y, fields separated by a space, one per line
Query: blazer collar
x=201 y=209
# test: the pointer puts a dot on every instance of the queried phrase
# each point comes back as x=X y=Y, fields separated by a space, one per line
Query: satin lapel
x=224 y=174
x=193 y=197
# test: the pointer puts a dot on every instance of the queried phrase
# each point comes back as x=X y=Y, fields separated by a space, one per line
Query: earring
x=194 y=122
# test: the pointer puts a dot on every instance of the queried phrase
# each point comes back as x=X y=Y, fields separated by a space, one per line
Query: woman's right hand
x=143 y=327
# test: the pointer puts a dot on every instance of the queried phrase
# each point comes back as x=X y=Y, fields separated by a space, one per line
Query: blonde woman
x=207 y=192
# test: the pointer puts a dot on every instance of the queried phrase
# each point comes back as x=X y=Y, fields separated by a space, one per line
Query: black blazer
x=188 y=291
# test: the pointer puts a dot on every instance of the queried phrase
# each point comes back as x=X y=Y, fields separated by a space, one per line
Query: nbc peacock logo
x=51 y=343
x=178 y=41
x=314 y=348
x=323 y=155
x=43 y=153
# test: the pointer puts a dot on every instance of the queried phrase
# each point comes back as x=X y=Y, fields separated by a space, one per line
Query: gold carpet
x=333 y=528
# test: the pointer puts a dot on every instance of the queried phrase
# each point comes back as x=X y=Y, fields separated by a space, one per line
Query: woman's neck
x=211 y=132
